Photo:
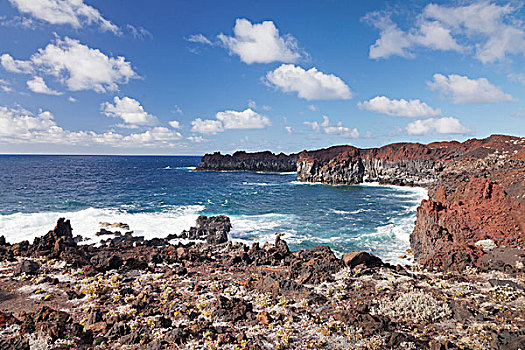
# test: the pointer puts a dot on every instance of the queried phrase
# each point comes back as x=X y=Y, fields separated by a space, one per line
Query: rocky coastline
x=210 y=293
x=476 y=192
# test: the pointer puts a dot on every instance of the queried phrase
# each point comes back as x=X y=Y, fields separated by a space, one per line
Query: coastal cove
x=158 y=196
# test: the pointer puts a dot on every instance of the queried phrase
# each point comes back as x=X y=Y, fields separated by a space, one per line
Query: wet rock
x=260 y=161
x=213 y=230
x=104 y=232
x=357 y=258
x=28 y=267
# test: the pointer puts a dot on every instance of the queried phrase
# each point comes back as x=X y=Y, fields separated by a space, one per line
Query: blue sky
x=189 y=77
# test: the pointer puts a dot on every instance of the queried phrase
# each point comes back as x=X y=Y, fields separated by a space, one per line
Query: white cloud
x=313 y=108
x=20 y=126
x=140 y=33
x=208 y=126
x=4 y=86
x=199 y=38
x=38 y=85
x=252 y=104
x=309 y=84
x=72 y=12
x=72 y=99
x=445 y=125
x=247 y=119
x=399 y=108
x=175 y=124
x=196 y=139
x=288 y=129
x=489 y=30
x=465 y=90
x=260 y=43
x=330 y=129
x=15 y=66
x=76 y=65
x=129 y=110
x=392 y=40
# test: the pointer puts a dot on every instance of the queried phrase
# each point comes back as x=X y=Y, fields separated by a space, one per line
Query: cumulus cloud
x=175 y=124
x=38 y=85
x=196 y=139
x=330 y=129
x=72 y=12
x=20 y=126
x=445 y=125
x=309 y=84
x=259 y=43
x=207 y=126
x=129 y=110
x=399 y=108
x=488 y=30
x=462 y=89
x=15 y=66
x=76 y=65
x=247 y=119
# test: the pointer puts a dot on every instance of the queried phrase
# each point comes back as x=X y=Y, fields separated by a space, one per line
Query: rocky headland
x=210 y=293
x=476 y=193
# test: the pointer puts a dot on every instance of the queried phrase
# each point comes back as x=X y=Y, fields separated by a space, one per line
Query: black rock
x=28 y=267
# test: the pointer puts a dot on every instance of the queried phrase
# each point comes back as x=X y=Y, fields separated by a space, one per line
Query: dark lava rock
x=28 y=267
x=6 y=319
x=357 y=258
x=104 y=261
x=506 y=340
x=17 y=342
x=369 y=323
x=496 y=282
x=503 y=259
x=314 y=265
x=234 y=309
x=104 y=232
x=213 y=230
x=55 y=324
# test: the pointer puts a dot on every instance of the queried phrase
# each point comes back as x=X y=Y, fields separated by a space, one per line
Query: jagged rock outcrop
x=476 y=188
x=243 y=161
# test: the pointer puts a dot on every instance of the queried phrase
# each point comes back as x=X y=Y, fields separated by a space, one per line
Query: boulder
x=357 y=258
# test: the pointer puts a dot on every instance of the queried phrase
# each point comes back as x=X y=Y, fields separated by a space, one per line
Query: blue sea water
x=159 y=195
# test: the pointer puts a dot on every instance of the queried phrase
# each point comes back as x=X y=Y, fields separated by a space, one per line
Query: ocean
x=159 y=195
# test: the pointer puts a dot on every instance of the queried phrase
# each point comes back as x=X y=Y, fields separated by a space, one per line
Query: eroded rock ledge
x=243 y=161
x=476 y=189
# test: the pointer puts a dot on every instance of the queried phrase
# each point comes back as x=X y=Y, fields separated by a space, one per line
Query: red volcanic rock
x=446 y=231
x=476 y=188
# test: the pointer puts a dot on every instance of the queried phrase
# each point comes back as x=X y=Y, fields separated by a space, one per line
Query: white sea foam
x=26 y=226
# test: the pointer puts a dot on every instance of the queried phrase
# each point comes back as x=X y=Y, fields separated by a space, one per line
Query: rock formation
x=242 y=161
x=476 y=188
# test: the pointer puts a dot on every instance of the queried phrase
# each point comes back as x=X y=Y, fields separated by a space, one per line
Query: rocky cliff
x=243 y=161
x=476 y=190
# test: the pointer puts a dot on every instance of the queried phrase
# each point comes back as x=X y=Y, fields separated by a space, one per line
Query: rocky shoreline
x=476 y=192
x=131 y=293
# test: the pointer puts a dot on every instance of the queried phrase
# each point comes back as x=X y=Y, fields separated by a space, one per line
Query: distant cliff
x=243 y=161
x=476 y=189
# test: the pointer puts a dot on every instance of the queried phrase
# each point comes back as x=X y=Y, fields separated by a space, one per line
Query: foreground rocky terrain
x=476 y=192
x=129 y=293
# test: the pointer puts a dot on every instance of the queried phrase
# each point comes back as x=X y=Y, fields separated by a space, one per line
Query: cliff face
x=243 y=161
x=476 y=189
